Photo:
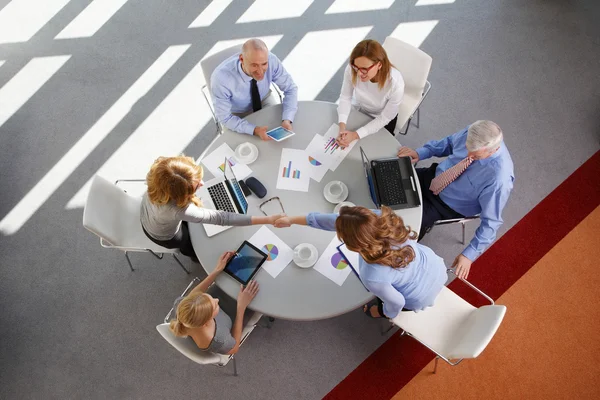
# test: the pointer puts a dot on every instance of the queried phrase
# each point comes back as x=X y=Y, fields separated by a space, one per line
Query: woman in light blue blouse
x=402 y=273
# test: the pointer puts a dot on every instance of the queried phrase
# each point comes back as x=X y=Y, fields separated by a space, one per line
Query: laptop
x=391 y=182
x=223 y=194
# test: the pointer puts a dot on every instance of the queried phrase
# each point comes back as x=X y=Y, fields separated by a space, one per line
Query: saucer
x=309 y=262
x=343 y=204
x=246 y=153
x=333 y=199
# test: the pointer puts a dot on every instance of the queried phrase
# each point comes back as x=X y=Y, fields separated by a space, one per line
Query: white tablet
x=279 y=134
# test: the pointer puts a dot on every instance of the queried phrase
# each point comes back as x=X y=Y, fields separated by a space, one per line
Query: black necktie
x=256 y=103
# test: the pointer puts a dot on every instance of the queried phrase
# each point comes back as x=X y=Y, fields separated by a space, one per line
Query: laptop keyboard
x=219 y=196
x=390 y=182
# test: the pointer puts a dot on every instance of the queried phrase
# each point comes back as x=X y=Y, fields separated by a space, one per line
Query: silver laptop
x=223 y=194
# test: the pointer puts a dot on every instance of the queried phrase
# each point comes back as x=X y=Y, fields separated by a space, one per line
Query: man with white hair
x=241 y=85
x=476 y=178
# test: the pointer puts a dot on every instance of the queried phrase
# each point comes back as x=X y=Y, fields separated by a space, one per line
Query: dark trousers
x=434 y=209
x=180 y=241
x=392 y=125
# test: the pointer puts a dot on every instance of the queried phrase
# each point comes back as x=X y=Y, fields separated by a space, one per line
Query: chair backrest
x=413 y=63
x=477 y=332
x=188 y=348
x=209 y=64
x=110 y=212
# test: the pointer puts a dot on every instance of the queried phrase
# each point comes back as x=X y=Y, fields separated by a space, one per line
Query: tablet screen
x=280 y=133
x=245 y=263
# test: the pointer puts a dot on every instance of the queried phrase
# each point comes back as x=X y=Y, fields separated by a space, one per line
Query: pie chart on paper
x=271 y=250
x=338 y=261
x=313 y=161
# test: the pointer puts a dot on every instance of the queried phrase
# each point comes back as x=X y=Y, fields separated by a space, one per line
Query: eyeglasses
x=363 y=71
x=273 y=201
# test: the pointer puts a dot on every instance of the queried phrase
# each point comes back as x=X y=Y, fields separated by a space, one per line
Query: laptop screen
x=369 y=176
x=237 y=192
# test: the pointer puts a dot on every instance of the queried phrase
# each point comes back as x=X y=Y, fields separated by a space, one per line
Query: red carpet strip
x=400 y=358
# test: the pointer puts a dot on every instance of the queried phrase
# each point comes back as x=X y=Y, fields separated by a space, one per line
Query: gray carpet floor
x=76 y=323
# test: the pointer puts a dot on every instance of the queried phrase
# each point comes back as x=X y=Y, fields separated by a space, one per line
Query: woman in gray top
x=171 y=202
x=199 y=315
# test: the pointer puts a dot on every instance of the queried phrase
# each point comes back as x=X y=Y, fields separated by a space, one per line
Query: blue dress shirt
x=413 y=287
x=482 y=189
x=230 y=88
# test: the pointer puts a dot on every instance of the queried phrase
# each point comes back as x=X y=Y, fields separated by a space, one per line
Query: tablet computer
x=245 y=263
x=280 y=133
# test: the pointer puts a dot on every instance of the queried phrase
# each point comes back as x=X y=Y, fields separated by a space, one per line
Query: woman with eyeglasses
x=171 y=202
x=402 y=273
x=374 y=86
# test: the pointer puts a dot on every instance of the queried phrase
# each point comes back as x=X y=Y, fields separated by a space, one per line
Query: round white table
x=297 y=293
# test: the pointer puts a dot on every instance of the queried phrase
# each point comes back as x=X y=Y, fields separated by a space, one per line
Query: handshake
x=280 y=221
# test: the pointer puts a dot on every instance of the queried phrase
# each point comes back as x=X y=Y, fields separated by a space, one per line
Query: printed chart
x=279 y=254
x=318 y=162
x=271 y=251
x=215 y=162
x=332 y=264
x=293 y=173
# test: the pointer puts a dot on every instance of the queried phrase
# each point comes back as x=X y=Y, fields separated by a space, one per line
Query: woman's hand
x=223 y=260
x=247 y=294
x=346 y=137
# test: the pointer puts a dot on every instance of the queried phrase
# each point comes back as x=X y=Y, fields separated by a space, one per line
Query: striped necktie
x=440 y=182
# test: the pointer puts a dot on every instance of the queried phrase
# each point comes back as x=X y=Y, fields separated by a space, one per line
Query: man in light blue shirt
x=482 y=186
x=235 y=79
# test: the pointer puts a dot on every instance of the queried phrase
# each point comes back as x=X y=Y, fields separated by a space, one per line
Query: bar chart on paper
x=287 y=172
x=294 y=170
x=331 y=146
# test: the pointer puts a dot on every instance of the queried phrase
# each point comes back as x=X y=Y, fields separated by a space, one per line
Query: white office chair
x=208 y=65
x=453 y=329
x=414 y=65
x=114 y=216
x=461 y=221
x=187 y=347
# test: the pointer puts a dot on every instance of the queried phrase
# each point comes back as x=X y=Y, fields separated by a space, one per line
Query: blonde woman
x=200 y=317
x=375 y=87
x=171 y=202
x=402 y=273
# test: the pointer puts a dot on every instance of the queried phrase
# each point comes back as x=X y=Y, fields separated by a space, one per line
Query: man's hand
x=462 y=265
x=346 y=137
x=247 y=294
x=283 y=222
x=223 y=260
x=407 y=151
x=287 y=124
x=261 y=131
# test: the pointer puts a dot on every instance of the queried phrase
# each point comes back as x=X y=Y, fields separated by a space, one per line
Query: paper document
x=331 y=153
x=279 y=254
x=318 y=163
x=332 y=264
x=215 y=162
x=293 y=172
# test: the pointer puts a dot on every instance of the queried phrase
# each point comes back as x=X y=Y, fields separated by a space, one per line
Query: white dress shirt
x=381 y=104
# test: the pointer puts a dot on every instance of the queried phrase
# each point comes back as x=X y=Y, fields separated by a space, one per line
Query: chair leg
x=436 y=364
x=418 y=118
x=129 y=261
x=270 y=323
x=156 y=255
x=180 y=264
x=234 y=367
x=463 y=233
x=407 y=126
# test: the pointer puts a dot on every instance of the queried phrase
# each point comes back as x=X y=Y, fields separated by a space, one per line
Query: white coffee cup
x=246 y=153
x=335 y=192
x=305 y=255
x=343 y=204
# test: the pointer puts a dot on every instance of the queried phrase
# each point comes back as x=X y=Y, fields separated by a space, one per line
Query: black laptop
x=391 y=182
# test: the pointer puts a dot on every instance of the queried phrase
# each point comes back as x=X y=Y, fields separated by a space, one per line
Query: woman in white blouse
x=374 y=86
